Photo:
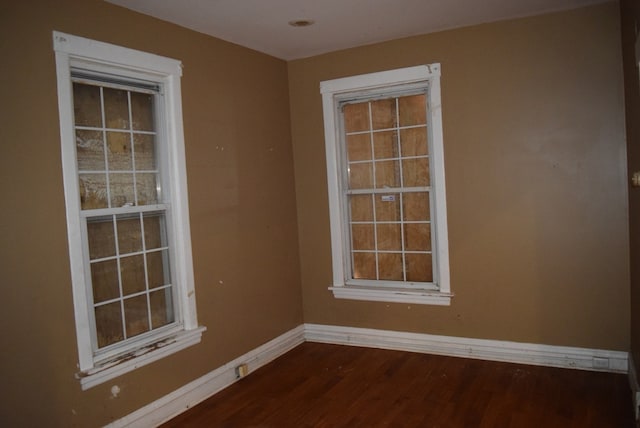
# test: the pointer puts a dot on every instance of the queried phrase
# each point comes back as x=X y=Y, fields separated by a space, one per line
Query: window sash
x=167 y=256
x=138 y=131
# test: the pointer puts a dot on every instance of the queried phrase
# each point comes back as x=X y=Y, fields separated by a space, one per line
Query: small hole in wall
x=301 y=22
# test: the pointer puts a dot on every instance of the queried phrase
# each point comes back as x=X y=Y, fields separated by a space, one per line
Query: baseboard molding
x=494 y=350
x=189 y=395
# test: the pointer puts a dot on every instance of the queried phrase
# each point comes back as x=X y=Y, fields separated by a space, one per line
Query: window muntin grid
x=387 y=182
x=115 y=147
x=125 y=224
x=130 y=275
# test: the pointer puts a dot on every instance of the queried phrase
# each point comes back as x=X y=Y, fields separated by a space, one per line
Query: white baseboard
x=171 y=405
x=189 y=395
x=495 y=350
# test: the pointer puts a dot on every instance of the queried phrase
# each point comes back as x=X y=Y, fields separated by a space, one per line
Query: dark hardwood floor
x=318 y=385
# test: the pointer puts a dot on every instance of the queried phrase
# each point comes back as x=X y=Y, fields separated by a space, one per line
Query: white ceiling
x=263 y=24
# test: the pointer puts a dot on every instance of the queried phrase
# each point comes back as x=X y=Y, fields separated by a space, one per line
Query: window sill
x=138 y=358
x=395 y=295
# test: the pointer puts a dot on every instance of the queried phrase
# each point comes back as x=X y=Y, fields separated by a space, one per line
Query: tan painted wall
x=536 y=181
x=630 y=20
x=242 y=204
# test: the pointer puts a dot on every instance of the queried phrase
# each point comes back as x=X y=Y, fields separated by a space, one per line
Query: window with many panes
x=385 y=168
x=125 y=190
x=119 y=188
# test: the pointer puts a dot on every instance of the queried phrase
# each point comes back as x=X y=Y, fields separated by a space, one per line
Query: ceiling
x=338 y=24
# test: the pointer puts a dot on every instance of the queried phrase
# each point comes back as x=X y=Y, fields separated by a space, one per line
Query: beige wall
x=630 y=19
x=536 y=183
x=242 y=207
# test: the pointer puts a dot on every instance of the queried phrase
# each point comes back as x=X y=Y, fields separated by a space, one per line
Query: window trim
x=337 y=90
x=78 y=52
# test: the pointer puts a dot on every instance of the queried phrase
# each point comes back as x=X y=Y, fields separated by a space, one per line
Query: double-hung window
x=385 y=169
x=127 y=214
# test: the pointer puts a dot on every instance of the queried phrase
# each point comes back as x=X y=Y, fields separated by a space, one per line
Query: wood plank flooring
x=319 y=385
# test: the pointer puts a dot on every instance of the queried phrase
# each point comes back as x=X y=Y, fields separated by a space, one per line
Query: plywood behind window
x=387 y=148
x=129 y=272
x=90 y=150
x=87 y=107
x=356 y=117
x=142 y=112
x=104 y=280
x=129 y=277
x=116 y=108
x=109 y=324
x=388 y=209
x=118 y=153
x=160 y=302
x=136 y=315
x=383 y=114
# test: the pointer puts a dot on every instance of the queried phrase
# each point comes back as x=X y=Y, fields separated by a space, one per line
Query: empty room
x=281 y=213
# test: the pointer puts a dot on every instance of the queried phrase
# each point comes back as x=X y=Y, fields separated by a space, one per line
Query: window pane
x=360 y=176
x=119 y=151
x=104 y=280
x=116 y=108
x=385 y=145
x=136 y=315
x=161 y=308
x=147 y=189
x=153 y=230
x=158 y=269
x=86 y=105
x=415 y=206
x=390 y=266
x=389 y=237
x=142 y=111
x=364 y=266
x=362 y=236
x=358 y=147
x=419 y=267
x=109 y=324
x=93 y=191
x=356 y=117
x=414 y=142
x=101 y=238
x=413 y=110
x=361 y=207
x=90 y=150
x=388 y=207
x=417 y=237
x=129 y=234
x=132 y=272
x=387 y=174
x=415 y=172
x=121 y=188
x=383 y=113
x=145 y=152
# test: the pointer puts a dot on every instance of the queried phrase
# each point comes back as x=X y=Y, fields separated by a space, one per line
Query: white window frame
x=333 y=93
x=78 y=52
